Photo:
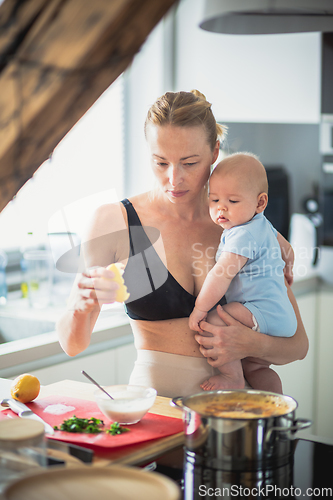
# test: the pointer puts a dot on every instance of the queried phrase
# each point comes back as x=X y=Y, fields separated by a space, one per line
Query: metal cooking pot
x=240 y=443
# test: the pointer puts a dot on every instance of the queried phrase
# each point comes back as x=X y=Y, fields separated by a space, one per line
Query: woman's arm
x=235 y=341
x=288 y=256
x=94 y=286
x=91 y=289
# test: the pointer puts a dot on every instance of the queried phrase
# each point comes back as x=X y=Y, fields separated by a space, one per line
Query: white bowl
x=130 y=403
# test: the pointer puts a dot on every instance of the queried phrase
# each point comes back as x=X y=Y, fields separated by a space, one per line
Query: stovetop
x=309 y=474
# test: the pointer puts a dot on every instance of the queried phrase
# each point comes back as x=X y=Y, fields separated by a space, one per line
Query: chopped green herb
x=115 y=429
x=76 y=424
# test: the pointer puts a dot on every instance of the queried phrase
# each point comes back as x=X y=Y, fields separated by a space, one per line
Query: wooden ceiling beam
x=56 y=58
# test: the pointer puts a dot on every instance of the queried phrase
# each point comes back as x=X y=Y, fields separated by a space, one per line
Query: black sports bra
x=154 y=292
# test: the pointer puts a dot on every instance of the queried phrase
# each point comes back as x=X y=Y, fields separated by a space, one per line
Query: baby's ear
x=262 y=201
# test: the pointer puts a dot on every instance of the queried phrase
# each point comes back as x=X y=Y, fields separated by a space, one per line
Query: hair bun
x=199 y=94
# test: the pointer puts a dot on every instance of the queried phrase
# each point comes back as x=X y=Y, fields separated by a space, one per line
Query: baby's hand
x=288 y=274
x=195 y=318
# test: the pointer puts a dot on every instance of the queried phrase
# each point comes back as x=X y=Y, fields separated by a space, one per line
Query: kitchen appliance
x=303 y=239
x=327 y=210
x=307 y=472
x=243 y=442
x=265 y=16
x=278 y=207
x=326 y=137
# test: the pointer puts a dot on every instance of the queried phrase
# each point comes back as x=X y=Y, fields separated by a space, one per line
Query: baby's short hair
x=253 y=169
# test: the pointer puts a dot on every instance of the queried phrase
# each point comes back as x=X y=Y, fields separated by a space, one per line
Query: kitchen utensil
x=240 y=443
x=79 y=452
x=83 y=483
x=24 y=411
x=39 y=272
x=152 y=427
x=22 y=449
x=83 y=454
x=129 y=405
x=94 y=382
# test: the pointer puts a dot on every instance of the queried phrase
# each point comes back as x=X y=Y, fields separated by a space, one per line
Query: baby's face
x=231 y=201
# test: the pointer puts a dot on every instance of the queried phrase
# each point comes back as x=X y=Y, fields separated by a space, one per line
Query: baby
x=248 y=269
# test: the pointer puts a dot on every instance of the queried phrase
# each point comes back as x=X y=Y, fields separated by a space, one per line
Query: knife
x=23 y=411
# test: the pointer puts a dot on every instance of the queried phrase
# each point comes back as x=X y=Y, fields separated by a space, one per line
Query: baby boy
x=248 y=269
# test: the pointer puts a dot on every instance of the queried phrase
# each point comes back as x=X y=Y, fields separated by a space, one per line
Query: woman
x=165 y=272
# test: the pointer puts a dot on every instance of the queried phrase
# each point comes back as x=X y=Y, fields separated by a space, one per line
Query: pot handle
x=175 y=402
x=300 y=423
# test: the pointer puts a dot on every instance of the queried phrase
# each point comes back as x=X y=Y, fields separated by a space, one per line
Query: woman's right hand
x=94 y=288
x=236 y=341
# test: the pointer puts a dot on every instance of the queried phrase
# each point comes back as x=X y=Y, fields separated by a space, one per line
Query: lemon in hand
x=118 y=270
x=25 y=388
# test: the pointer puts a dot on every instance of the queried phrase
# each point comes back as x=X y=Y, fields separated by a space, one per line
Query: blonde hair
x=186 y=109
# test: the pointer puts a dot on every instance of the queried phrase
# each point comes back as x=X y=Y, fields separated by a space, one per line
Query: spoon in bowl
x=94 y=382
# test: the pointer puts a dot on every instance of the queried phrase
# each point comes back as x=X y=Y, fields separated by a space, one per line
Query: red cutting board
x=150 y=427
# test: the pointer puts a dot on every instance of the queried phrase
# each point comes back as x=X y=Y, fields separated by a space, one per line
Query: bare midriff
x=172 y=336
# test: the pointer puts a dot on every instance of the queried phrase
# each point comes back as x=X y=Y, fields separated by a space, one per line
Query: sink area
x=18 y=320
x=15 y=328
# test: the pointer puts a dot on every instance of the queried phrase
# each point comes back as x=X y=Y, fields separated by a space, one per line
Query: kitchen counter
x=169 y=458
x=38 y=351
x=131 y=455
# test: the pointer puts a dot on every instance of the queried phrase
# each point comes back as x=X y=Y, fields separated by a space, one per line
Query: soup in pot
x=241 y=405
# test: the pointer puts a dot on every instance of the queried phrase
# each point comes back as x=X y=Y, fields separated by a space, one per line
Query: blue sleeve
x=241 y=242
x=272 y=227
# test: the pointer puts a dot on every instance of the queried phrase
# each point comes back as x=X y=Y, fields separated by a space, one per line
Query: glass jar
x=3 y=284
x=39 y=272
x=22 y=449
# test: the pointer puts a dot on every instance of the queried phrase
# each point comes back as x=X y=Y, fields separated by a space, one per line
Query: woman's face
x=181 y=160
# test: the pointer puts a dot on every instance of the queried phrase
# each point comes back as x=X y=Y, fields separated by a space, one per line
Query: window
x=85 y=171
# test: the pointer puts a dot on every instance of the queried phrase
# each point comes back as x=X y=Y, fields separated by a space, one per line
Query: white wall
x=249 y=78
x=149 y=77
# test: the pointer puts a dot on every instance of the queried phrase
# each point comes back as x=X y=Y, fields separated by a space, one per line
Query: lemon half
x=118 y=270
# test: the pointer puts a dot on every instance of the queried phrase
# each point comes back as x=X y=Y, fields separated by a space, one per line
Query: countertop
x=111 y=330
x=133 y=455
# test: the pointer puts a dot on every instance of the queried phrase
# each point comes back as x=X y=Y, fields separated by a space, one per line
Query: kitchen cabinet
x=324 y=393
x=309 y=381
x=109 y=367
x=249 y=78
x=298 y=378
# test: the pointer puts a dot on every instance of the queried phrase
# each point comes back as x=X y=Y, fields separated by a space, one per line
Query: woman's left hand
x=227 y=343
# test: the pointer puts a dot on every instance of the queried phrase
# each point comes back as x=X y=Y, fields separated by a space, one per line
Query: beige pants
x=171 y=375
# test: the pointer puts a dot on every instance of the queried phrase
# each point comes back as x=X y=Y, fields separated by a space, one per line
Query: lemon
x=25 y=388
x=118 y=270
